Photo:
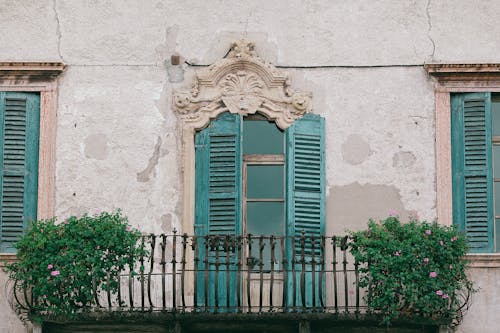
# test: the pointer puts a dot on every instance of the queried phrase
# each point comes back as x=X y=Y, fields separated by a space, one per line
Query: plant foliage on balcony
x=413 y=270
x=65 y=264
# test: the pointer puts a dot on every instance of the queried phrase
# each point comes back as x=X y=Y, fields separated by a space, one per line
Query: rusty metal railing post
x=273 y=259
x=216 y=246
x=343 y=248
x=163 y=263
x=141 y=270
x=322 y=273
x=174 y=271
x=238 y=248
x=285 y=271
x=227 y=249
x=334 y=270
x=261 y=270
x=151 y=267
x=183 y=271
x=303 y=268
x=196 y=261
x=249 y=254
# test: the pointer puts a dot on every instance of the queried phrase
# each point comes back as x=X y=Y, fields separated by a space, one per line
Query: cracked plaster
x=117 y=84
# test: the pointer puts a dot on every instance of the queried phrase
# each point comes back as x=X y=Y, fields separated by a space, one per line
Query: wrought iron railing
x=219 y=273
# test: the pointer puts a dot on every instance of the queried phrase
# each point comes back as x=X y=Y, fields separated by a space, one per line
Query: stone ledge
x=486 y=260
x=7 y=258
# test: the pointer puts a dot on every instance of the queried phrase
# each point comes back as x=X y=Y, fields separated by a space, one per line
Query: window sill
x=7 y=258
x=486 y=260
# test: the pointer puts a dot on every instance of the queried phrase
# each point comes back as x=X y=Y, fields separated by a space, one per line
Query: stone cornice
x=31 y=70
x=469 y=74
x=241 y=83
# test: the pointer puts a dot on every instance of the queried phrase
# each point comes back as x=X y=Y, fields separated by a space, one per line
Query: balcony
x=205 y=281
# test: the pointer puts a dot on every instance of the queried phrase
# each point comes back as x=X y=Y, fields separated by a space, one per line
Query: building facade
x=402 y=97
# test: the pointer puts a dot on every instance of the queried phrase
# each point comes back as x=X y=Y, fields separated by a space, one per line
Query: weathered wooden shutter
x=472 y=168
x=19 y=120
x=306 y=177
x=218 y=210
x=305 y=209
x=218 y=177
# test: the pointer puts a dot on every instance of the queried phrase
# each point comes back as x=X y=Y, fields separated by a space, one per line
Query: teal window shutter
x=305 y=147
x=218 y=177
x=306 y=176
x=217 y=204
x=472 y=168
x=19 y=120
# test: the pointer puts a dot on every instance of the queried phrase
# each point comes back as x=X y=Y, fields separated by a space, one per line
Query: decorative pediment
x=241 y=83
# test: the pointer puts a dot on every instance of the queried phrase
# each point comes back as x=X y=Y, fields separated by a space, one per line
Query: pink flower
x=393 y=212
x=44 y=296
x=54 y=273
x=50 y=266
x=439 y=293
x=128 y=228
x=441 y=243
x=451 y=266
x=454 y=238
x=98 y=211
x=428 y=232
x=445 y=296
x=433 y=274
x=426 y=260
x=397 y=253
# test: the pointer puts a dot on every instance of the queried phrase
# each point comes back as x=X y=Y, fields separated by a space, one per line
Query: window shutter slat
x=472 y=169
x=19 y=119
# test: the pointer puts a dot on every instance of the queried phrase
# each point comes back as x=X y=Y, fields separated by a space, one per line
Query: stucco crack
x=145 y=175
x=58 y=29
x=429 y=28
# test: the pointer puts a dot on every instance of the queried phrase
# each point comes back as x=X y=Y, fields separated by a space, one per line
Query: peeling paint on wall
x=350 y=207
x=355 y=150
x=145 y=175
x=96 y=146
x=403 y=159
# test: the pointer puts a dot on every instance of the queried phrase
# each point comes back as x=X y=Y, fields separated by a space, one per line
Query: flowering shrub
x=413 y=269
x=64 y=264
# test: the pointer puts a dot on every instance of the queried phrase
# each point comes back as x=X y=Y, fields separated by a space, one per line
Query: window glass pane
x=497 y=235
x=266 y=218
x=265 y=181
x=497 y=198
x=495 y=115
x=262 y=137
x=496 y=161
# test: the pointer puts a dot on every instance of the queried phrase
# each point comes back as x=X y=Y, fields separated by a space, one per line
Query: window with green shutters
x=254 y=178
x=19 y=140
x=248 y=166
x=475 y=133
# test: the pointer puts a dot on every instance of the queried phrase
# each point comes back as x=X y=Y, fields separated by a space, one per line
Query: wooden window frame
x=38 y=77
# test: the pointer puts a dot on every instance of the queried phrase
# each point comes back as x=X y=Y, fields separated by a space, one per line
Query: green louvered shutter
x=305 y=201
x=306 y=176
x=218 y=208
x=218 y=177
x=472 y=168
x=19 y=120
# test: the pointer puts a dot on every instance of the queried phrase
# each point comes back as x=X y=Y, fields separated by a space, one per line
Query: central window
x=263 y=180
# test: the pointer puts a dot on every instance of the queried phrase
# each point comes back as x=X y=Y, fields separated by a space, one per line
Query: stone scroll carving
x=241 y=83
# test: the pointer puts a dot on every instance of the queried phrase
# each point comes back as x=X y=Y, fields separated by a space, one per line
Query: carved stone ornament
x=241 y=83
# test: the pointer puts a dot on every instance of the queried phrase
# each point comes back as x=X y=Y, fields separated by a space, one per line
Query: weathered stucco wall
x=118 y=141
